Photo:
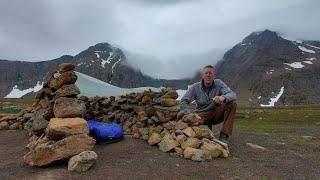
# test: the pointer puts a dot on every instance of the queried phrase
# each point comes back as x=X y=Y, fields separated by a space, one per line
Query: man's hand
x=218 y=100
x=199 y=118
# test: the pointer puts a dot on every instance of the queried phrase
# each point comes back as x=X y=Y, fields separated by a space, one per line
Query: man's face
x=208 y=75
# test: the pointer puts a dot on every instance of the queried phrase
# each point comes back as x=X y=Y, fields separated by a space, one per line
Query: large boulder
x=59 y=128
x=83 y=161
x=48 y=153
x=68 y=107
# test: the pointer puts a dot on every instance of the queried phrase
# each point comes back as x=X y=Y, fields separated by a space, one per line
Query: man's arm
x=186 y=99
x=227 y=93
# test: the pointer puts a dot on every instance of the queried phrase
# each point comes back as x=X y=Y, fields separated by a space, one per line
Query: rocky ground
x=285 y=146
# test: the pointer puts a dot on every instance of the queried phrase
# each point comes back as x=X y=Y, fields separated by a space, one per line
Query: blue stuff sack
x=105 y=131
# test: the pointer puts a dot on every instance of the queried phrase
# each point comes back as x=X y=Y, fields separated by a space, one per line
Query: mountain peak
x=261 y=37
x=101 y=47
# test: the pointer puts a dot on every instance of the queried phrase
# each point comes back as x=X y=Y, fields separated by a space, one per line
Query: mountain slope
x=263 y=62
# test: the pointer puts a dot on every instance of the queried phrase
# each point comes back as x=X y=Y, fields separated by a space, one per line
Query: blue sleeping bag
x=103 y=130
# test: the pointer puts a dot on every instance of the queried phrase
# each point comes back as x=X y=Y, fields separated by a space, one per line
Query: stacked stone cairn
x=56 y=126
x=58 y=130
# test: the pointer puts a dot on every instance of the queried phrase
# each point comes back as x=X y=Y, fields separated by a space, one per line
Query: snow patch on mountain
x=274 y=99
x=114 y=65
x=308 y=62
x=296 y=65
x=311 y=59
x=17 y=93
x=306 y=50
x=98 y=55
x=312 y=46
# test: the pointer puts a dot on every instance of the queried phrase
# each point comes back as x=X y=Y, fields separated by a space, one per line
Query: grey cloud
x=177 y=33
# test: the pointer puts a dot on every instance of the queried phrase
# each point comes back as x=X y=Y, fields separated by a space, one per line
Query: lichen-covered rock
x=191 y=142
x=213 y=150
x=167 y=143
x=203 y=131
x=155 y=138
x=68 y=108
x=83 y=161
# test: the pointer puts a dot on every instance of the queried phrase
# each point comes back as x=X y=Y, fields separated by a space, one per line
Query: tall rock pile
x=58 y=120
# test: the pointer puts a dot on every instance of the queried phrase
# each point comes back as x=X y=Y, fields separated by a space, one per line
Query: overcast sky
x=34 y=30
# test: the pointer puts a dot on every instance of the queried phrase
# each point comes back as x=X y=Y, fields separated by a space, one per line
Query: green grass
x=267 y=119
x=13 y=106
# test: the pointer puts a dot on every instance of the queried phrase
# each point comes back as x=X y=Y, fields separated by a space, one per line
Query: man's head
x=208 y=74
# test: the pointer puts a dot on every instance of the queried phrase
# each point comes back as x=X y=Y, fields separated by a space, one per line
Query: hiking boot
x=224 y=138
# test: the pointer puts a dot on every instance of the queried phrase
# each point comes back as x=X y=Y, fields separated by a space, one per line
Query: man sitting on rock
x=215 y=102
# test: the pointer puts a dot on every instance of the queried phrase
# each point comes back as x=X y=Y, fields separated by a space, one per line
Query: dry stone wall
x=58 y=129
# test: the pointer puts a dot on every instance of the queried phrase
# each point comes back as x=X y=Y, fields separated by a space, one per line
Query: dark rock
x=39 y=123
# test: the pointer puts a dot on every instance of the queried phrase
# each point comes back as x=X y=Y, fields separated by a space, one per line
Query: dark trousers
x=224 y=113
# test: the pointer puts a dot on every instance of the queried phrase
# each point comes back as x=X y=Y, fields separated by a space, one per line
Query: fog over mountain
x=167 y=30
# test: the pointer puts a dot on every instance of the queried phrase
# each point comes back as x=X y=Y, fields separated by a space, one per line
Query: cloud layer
x=37 y=30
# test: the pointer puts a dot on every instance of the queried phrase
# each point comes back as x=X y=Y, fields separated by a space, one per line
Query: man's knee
x=232 y=104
